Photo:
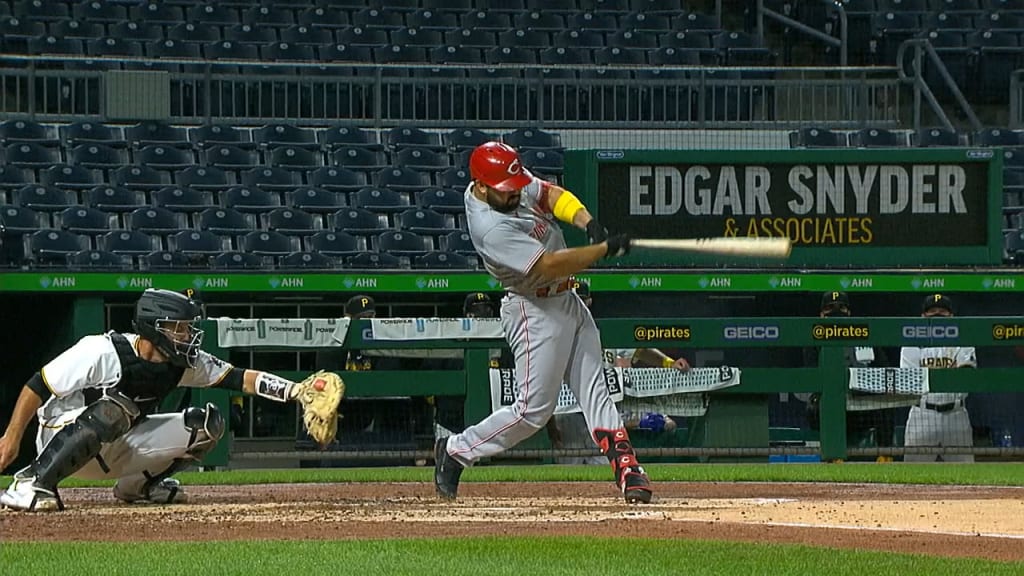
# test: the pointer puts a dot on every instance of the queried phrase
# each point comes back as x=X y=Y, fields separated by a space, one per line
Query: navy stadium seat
x=212 y=134
x=44 y=198
x=359 y=158
x=249 y=198
x=20 y=220
x=545 y=161
x=152 y=132
x=271 y=178
x=467 y=138
x=164 y=157
x=51 y=247
x=141 y=32
x=294 y=158
x=167 y=260
x=878 y=138
x=319 y=16
x=70 y=177
x=424 y=221
x=377 y=199
x=453 y=178
x=115 y=198
x=421 y=159
x=31 y=155
x=202 y=178
x=401 y=179
x=273 y=135
x=442 y=260
x=998 y=137
x=198 y=242
x=84 y=220
x=407 y=136
x=458 y=241
x=214 y=14
x=225 y=221
x=373 y=260
x=312 y=199
x=92 y=133
x=237 y=261
x=193 y=32
x=292 y=221
x=183 y=199
x=402 y=243
x=817 y=138
x=26 y=131
x=334 y=243
x=331 y=178
x=302 y=34
x=307 y=260
x=445 y=200
x=97 y=260
x=268 y=243
x=526 y=138
x=155 y=219
x=345 y=136
x=129 y=242
x=231 y=157
x=139 y=177
x=96 y=155
x=357 y=221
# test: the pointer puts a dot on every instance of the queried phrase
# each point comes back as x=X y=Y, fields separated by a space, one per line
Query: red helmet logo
x=497 y=165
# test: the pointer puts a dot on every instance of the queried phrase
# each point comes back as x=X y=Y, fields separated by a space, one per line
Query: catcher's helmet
x=170 y=320
x=497 y=165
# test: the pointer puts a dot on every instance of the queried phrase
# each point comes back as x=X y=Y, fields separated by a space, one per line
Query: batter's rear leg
x=586 y=377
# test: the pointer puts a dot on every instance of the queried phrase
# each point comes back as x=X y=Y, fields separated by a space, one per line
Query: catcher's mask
x=170 y=320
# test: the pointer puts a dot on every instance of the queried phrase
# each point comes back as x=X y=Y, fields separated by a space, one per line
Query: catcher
x=97 y=401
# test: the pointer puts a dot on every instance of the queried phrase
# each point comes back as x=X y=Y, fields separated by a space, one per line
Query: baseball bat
x=751 y=247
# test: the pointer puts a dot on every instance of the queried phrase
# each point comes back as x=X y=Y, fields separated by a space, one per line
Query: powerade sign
x=942 y=205
x=751 y=333
x=930 y=332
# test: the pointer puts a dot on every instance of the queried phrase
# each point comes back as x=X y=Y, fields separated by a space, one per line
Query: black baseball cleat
x=446 y=471
x=636 y=487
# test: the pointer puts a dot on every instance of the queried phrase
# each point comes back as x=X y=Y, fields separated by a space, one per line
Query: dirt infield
x=942 y=521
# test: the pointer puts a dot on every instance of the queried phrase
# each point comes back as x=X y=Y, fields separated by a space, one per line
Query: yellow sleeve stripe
x=42 y=373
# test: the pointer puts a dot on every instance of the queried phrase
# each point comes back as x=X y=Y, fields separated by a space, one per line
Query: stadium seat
x=78 y=30
x=453 y=178
x=159 y=13
x=593 y=21
x=198 y=242
x=168 y=48
x=442 y=260
x=69 y=177
x=97 y=260
x=486 y=20
x=225 y=221
x=373 y=261
x=165 y=157
x=31 y=155
x=458 y=241
x=522 y=46
x=231 y=50
x=331 y=178
x=564 y=55
x=333 y=243
x=426 y=19
x=357 y=221
x=878 y=138
x=111 y=46
x=294 y=158
x=395 y=53
x=156 y=133
x=182 y=199
x=250 y=198
x=268 y=16
x=230 y=157
x=546 y=161
x=214 y=14
x=306 y=261
x=273 y=135
x=97 y=155
x=424 y=221
x=407 y=136
x=456 y=55
x=202 y=178
x=444 y=200
x=284 y=51
x=315 y=200
x=362 y=37
x=268 y=243
x=471 y=38
x=377 y=199
x=51 y=247
x=402 y=243
x=192 y=32
x=132 y=242
x=359 y=158
x=168 y=260
x=84 y=220
x=79 y=133
x=319 y=16
x=302 y=34
x=345 y=136
x=998 y=137
x=292 y=222
x=237 y=261
x=376 y=18
x=212 y=134
x=421 y=159
x=139 y=177
x=817 y=138
x=527 y=138
x=155 y=220
x=115 y=198
x=467 y=138
x=13 y=131
x=20 y=220
x=43 y=198
x=271 y=178
x=141 y=32
x=401 y=179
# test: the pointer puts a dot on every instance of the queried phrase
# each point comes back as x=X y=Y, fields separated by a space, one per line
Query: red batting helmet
x=497 y=165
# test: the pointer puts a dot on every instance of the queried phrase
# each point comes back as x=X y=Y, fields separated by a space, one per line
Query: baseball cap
x=360 y=304
x=582 y=288
x=937 y=301
x=835 y=298
x=474 y=299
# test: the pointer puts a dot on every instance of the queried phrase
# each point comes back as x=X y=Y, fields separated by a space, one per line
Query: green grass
x=985 y=474
x=487 y=556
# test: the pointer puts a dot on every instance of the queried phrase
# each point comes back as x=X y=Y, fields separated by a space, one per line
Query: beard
x=504 y=202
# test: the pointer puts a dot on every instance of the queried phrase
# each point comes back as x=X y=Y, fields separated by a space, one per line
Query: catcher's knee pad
x=74 y=445
x=206 y=426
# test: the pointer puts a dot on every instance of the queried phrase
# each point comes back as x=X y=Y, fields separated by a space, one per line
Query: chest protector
x=146 y=383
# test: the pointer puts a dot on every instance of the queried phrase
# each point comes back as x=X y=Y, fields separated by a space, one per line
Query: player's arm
x=910 y=357
x=656 y=358
x=565 y=205
x=24 y=410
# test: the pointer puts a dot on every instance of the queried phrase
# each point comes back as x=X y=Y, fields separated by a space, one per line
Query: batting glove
x=596 y=233
x=618 y=245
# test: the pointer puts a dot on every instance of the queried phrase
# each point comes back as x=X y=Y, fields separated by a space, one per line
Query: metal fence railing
x=382 y=95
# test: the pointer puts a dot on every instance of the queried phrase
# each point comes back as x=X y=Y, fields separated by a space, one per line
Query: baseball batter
x=512 y=219
x=96 y=405
x=940 y=419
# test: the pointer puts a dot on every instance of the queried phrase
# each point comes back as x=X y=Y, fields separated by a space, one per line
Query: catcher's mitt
x=319 y=395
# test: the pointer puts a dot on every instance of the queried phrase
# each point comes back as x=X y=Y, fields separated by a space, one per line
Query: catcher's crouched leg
x=205 y=426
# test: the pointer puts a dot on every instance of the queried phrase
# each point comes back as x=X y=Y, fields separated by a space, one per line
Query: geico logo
x=751 y=332
x=931 y=331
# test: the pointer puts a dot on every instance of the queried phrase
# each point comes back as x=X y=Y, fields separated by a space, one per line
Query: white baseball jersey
x=947 y=357
x=93 y=363
x=511 y=243
x=618 y=356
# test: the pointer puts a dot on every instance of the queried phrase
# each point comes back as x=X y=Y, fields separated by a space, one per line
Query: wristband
x=667 y=362
x=566 y=207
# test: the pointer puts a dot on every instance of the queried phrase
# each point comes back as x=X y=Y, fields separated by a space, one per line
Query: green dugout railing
x=746 y=402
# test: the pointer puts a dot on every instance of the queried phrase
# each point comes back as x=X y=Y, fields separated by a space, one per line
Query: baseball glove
x=319 y=395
